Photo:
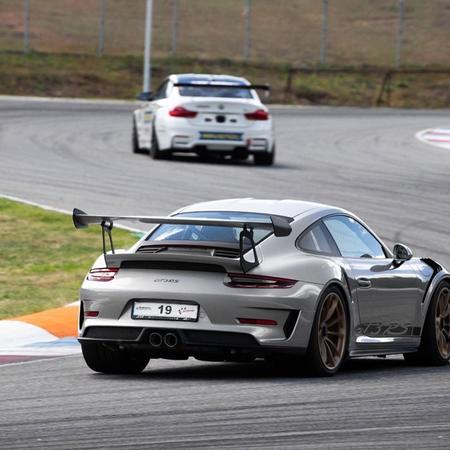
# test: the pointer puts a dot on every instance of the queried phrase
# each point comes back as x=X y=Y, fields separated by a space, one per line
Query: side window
x=317 y=240
x=161 y=91
x=352 y=239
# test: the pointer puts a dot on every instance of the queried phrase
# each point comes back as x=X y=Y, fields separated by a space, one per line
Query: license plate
x=213 y=136
x=165 y=311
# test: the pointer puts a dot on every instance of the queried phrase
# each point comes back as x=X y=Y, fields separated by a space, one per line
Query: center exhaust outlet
x=155 y=339
x=170 y=340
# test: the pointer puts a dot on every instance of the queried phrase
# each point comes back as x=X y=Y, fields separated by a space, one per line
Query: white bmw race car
x=204 y=114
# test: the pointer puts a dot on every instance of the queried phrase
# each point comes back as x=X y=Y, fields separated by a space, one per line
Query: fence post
x=26 y=26
x=400 y=31
x=147 y=81
x=248 y=29
x=101 y=29
x=173 y=49
x=324 y=34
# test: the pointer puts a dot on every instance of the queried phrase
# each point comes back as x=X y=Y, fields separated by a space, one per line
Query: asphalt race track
x=78 y=154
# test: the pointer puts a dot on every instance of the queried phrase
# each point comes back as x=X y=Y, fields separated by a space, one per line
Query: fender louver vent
x=150 y=249
x=226 y=253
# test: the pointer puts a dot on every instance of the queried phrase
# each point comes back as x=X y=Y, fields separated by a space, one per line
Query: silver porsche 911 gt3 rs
x=234 y=280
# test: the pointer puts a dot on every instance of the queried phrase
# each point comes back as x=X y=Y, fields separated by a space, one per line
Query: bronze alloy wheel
x=442 y=319
x=332 y=331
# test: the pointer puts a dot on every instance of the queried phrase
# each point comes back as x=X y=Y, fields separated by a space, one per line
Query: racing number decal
x=165 y=309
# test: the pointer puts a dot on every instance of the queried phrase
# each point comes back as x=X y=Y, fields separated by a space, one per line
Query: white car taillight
x=180 y=111
x=259 y=114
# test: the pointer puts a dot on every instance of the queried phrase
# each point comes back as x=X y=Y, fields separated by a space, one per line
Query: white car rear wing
x=212 y=84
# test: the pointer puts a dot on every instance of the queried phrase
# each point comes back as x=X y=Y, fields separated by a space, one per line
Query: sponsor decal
x=214 y=136
x=392 y=329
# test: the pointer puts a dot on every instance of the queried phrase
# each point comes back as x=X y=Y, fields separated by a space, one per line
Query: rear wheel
x=134 y=140
x=329 y=336
x=435 y=344
x=264 y=159
x=112 y=361
x=155 y=152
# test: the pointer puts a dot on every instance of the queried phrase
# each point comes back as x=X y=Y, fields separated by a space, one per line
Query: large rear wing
x=212 y=84
x=280 y=225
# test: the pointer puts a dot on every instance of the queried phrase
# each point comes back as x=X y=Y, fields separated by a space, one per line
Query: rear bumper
x=220 y=307
x=254 y=139
x=197 y=343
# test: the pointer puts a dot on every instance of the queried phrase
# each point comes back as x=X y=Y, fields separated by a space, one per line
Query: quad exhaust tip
x=170 y=340
x=155 y=339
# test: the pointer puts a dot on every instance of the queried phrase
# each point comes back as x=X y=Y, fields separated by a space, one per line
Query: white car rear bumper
x=254 y=139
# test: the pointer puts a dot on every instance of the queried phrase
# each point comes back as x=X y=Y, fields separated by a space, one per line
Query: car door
x=147 y=114
x=388 y=294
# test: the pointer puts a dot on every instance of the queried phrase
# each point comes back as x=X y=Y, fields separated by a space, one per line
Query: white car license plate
x=165 y=311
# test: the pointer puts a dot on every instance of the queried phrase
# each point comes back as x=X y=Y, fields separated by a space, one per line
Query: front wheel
x=107 y=360
x=135 y=140
x=434 y=348
x=329 y=337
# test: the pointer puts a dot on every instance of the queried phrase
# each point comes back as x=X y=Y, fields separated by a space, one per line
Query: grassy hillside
x=285 y=33
x=63 y=75
x=360 y=31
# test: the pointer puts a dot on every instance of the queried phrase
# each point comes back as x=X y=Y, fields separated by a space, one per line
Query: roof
x=190 y=77
x=287 y=208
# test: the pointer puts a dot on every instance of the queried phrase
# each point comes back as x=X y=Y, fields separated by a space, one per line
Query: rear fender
x=441 y=275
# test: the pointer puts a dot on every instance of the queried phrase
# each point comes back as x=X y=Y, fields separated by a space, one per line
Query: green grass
x=70 y=75
x=44 y=258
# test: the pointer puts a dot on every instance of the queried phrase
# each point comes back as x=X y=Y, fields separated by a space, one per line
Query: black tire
x=313 y=360
x=103 y=359
x=264 y=159
x=429 y=353
x=135 y=141
x=155 y=152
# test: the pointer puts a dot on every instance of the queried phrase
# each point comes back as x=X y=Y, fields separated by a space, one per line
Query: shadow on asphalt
x=356 y=369
x=217 y=161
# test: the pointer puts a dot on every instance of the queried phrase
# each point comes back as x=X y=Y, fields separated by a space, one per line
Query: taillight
x=259 y=114
x=91 y=314
x=179 y=111
x=243 y=280
x=102 y=274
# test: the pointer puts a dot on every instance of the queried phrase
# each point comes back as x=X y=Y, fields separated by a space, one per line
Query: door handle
x=364 y=282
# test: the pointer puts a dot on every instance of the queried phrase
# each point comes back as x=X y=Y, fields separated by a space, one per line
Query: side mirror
x=145 y=96
x=402 y=253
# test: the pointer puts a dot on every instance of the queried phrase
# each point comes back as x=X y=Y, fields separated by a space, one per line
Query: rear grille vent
x=150 y=249
x=172 y=265
x=226 y=253
x=116 y=333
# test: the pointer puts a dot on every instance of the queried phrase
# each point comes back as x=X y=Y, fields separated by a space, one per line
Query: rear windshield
x=207 y=233
x=228 y=92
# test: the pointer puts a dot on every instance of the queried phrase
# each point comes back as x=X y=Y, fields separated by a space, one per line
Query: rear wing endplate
x=280 y=225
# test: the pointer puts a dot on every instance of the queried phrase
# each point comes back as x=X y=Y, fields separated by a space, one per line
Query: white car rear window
x=220 y=92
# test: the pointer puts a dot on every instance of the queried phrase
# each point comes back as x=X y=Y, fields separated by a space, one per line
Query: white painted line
x=59 y=210
x=34 y=361
x=438 y=137
x=86 y=101
x=22 y=333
